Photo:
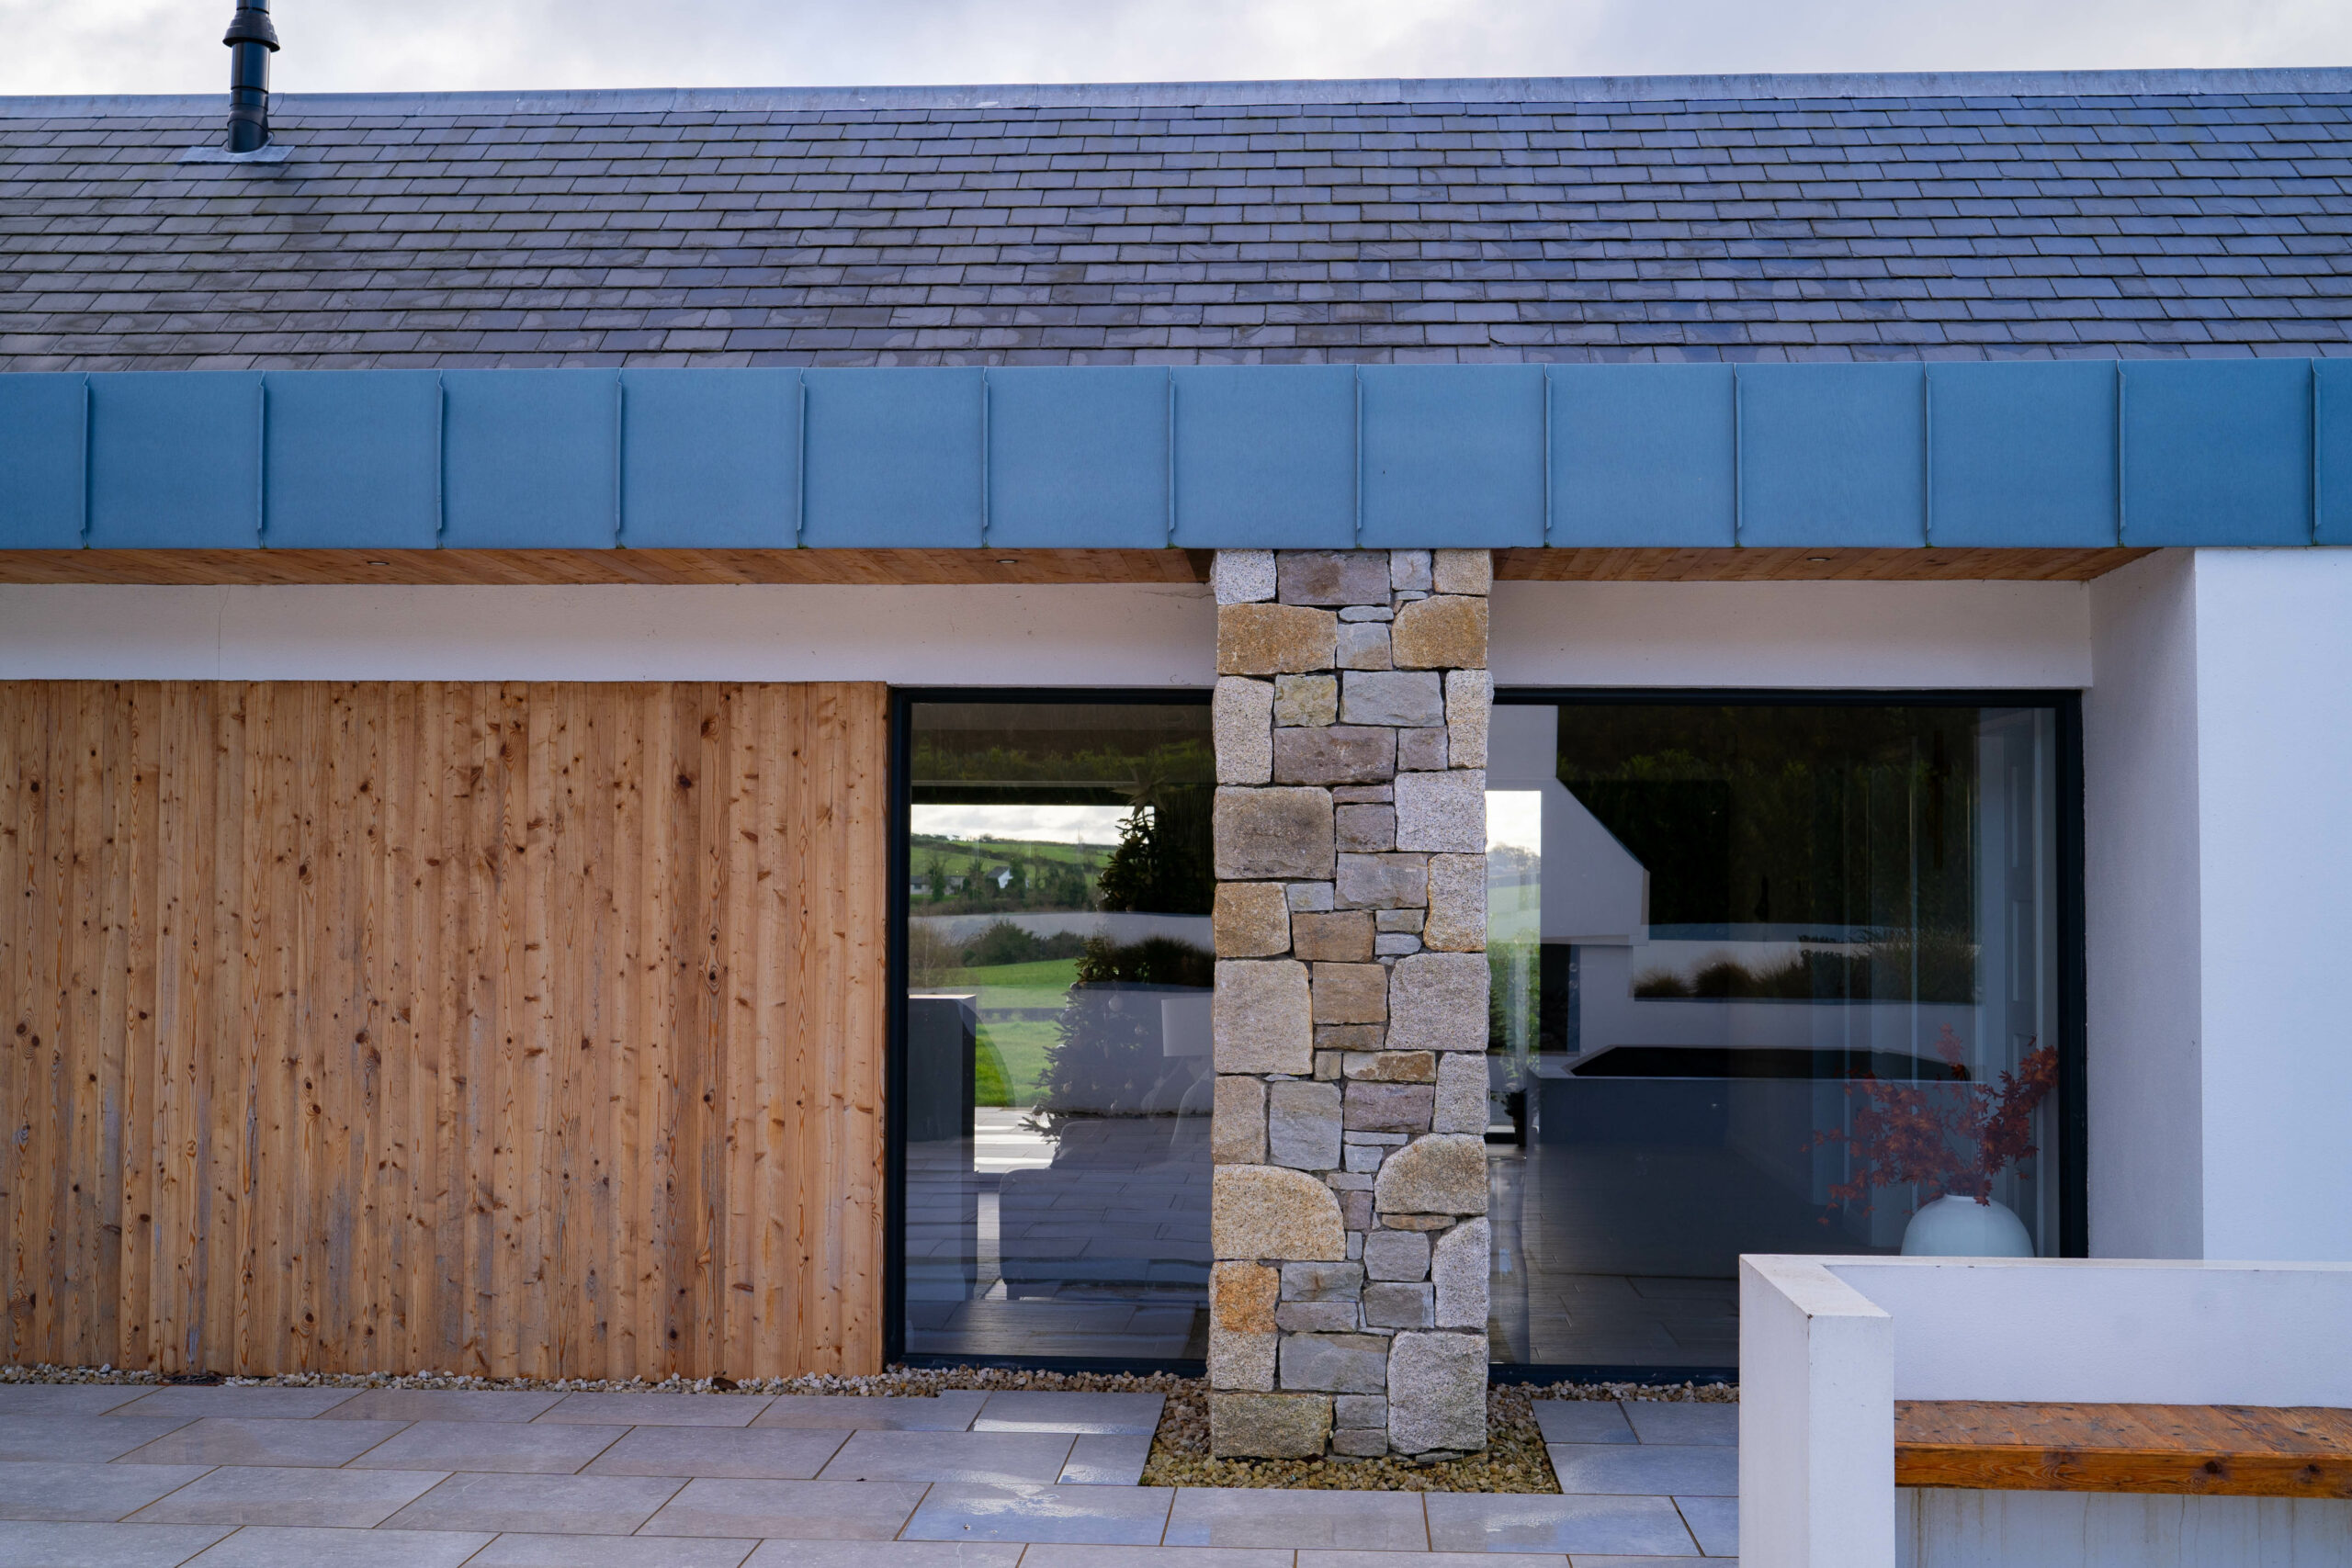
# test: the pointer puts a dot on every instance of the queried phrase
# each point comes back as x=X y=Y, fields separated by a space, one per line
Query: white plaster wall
x=1801 y=634
x=2139 y=861
x=2274 y=746
x=1125 y=635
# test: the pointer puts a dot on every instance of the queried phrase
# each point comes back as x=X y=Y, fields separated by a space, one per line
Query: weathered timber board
x=2226 y=1450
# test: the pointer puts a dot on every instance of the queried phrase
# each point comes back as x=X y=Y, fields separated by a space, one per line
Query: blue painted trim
x=1957 y=455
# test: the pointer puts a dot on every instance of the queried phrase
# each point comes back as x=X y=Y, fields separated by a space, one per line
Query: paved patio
x=135 y=1477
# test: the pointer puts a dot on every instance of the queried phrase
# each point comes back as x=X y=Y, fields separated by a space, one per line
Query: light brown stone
x=1303 y=1125
x=1469 y=705
x=1278 y=639
x=1394 y=1066
x=1242 y=1362
x=1334 y=754
x=1445 y=633
x=1241 y=726
x=1350 y=993
x=1437 y=811
x=1437 y=1392
x=1462 y=572
x=1337 y=1037
x=1269 y=1426
x=1444 y=1173
x=1374 y=1107
x=1306 y=699
x=1265 y=1210
x=1457 y=921
x=1382 y=882
x=1437 y=1001
x=1242 y=1296
x=1331 y=577
x=1461 y=1093
x=1344 y=936
x=1238 y=1121
x=1262 y=834
x=1260 y=1017
x=1250 y=920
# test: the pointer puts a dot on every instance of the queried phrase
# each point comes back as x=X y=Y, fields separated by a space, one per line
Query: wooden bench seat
x=2218 y=1450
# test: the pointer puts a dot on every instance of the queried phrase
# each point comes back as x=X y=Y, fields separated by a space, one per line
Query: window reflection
x=1058 y=1076
x=1767 y=978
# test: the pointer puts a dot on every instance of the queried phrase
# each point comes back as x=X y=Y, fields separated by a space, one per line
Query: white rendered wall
x=1803 y=635
x=2141 y=892
x=1125 y=634
x=2218 y=767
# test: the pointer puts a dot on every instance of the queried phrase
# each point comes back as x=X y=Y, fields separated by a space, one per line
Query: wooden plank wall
x=520 y=1030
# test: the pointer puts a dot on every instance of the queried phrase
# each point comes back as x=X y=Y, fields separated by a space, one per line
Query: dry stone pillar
x=1348 y=1300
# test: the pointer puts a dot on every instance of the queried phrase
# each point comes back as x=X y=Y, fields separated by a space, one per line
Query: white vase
x=1963 y=1227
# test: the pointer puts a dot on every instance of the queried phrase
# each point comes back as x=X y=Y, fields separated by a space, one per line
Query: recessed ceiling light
x=1816 y=559
x=380 y=563
x=1008 y=561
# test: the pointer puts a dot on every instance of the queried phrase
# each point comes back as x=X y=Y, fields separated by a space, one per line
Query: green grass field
x=1012 y=1051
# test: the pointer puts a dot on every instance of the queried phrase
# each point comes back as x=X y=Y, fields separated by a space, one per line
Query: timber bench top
x=2232 y=1449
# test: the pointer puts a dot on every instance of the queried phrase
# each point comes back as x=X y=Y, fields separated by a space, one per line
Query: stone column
x=1348 y=1296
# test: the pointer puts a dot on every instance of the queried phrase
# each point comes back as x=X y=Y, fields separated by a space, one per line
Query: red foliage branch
x=1954 y=1137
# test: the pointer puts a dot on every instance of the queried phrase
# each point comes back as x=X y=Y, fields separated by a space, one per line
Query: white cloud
x=1042 y=824
x=93 y=46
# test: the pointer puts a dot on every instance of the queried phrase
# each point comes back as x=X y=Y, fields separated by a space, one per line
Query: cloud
x=132 y=45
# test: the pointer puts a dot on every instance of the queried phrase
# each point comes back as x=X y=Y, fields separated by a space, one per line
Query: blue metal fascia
x=2028 y=456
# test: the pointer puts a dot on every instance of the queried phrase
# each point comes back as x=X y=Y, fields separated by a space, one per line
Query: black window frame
x=904 y=700
x=2073 y=1124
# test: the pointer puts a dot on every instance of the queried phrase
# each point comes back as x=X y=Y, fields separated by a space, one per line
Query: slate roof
x=1762 y=217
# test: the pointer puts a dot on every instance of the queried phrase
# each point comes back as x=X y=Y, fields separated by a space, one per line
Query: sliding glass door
x=1769 y=977
x=1056 y=1068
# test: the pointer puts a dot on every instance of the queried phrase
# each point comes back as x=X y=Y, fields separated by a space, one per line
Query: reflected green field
x=1012 y=1051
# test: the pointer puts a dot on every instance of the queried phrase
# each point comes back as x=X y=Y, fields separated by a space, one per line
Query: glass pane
x=1058 y=1079
x=1767 y=978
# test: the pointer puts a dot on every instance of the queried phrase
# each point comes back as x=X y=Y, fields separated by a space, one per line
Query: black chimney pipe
x=251 y=40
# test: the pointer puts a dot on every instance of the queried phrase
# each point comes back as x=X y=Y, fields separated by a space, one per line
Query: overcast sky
x=154 y=46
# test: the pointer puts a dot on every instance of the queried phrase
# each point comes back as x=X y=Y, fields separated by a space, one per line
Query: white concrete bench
x=1829 y=1346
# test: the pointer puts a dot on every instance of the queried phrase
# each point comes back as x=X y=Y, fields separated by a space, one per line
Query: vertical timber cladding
x=1347 y=1301
x=519 y=1030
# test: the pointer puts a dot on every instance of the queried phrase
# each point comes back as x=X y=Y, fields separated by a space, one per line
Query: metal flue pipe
x=251 y=40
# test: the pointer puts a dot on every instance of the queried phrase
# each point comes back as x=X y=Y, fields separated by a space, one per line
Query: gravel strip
x=1515 y=1459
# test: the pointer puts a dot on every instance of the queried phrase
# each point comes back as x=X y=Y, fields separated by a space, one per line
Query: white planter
x=1963 y=1227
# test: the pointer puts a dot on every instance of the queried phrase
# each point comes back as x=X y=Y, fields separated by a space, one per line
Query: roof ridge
x=1753 y=86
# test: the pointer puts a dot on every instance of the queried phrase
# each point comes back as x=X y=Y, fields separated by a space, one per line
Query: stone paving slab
x=443 y=1404
x=75 y=1440
x=540 y=1505
x=1103 y=1516
x=656 y=1409
x=67 y=1399
x=884 y=1554
x=1714 y=1521
x=1655 y=1470
x=1053 y=1411
x=344 y=1499
x=611 y=1552
x=245 y=1403
x=730 y=1453
x=499 y=1446
x=31 y=1545
x=1107 y=1460
x=1582 y=1421
x=993 y=1457
x=1541 y=1522
x=952 y=1411
x=1377 y=1521
x=1169 y=1557
x=1447 y=1560
x=231 y=1439
x=1586 y=1559
x=92 y=1493
x=262 y=1546
x=797 y=1510
x=1656 y=1421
